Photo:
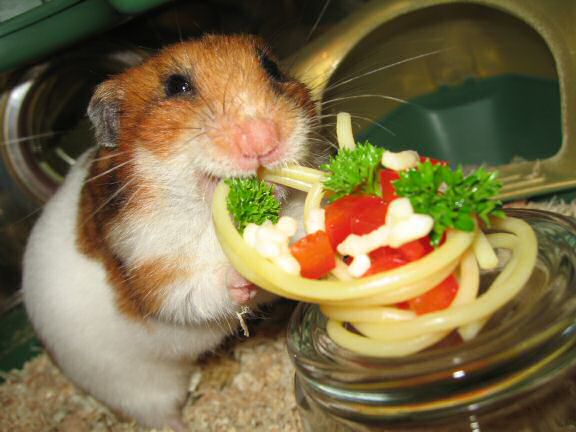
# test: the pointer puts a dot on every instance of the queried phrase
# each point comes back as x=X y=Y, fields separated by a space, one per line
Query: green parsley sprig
x=451 y=198
x=354 y=170
x=251 y=201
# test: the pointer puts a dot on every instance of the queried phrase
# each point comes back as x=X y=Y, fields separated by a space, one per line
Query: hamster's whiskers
x=388 y=66
x=328 y=102
x=321 y=141
x=31 y=137
x=114 y=195
x=368 y=119
x=110 y=156
x=108 y=171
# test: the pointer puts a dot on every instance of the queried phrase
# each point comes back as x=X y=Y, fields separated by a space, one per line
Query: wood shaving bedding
x=246 y=386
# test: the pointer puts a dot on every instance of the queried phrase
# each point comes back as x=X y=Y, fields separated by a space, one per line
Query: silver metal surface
x=43 y=128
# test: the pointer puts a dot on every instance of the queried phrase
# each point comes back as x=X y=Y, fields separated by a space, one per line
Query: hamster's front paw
x=242 y=291
x=177 y=425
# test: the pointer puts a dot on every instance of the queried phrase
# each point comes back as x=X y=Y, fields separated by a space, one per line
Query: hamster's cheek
x=170 y=177
x=296 y=148
x=167 y=128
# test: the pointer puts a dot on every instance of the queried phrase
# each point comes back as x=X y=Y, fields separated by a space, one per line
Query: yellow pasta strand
x=370 y=347
x=313 y=199
x=344 y=131
x=485 y=255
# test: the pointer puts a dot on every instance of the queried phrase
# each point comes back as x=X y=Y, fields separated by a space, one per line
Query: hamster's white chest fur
x=120 y=360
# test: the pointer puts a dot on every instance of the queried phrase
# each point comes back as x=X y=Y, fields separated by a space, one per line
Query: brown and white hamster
x=124 y=279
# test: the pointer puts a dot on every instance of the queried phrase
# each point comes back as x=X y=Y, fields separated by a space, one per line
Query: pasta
x=368 y=303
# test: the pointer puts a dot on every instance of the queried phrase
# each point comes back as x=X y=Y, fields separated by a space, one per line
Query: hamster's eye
x=176 y=85
x=271 y=68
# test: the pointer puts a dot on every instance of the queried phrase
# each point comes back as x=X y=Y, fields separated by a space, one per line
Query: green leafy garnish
x=451 y=198
x=251 y=201
x=354 y=170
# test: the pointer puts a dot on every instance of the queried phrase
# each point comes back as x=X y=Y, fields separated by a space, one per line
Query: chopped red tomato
x=416 y=249
x=385 y=258
x=433 y=161
x=315 y=255
x=370 y=217
x=338 y=216
x=438 y=298
x=340 y=213
x=388 y=176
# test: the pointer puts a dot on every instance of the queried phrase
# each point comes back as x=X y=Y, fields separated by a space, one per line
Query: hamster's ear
x=104 y=113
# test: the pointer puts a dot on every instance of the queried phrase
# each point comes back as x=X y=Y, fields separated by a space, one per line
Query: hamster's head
x=219 y=106
x=167 y=130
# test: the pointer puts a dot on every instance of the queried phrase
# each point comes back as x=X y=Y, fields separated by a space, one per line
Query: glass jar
x=517 y=375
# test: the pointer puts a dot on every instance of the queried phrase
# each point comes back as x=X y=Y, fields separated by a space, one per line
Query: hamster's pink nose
x=256 y=137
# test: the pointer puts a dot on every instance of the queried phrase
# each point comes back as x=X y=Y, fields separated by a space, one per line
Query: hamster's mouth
x=270 y=158
x=208 y=183
x=251 y=163
x=239 y=166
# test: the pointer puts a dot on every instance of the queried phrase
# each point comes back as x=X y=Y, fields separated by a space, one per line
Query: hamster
x=124 y=280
